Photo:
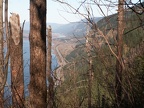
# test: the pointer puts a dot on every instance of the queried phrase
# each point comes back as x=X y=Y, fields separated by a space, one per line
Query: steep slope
x=133 y=34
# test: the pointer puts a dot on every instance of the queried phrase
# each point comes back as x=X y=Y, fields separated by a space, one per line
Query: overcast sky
x=56 y=12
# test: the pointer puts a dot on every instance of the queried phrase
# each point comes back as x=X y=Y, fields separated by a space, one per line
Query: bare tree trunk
x=88 y=45
x=1 y=53
x=49 y=70
x=16 y=61
x=38 y=86
x=7 y=41
x=89 y=80
x=119 y=68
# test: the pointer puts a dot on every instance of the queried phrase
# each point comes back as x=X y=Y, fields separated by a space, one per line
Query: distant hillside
x=133 y=34
x=75 y=28
x=53 y=25
x=71 y=29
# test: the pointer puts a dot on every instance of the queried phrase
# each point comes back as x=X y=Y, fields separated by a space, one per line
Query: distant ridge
x=77 y=29
x=53 y=25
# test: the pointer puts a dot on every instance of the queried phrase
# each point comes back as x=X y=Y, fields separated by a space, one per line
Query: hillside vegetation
x=103 y=67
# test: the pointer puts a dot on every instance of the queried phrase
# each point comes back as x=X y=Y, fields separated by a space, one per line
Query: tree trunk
x=37 y=88
x=49 y=70
x=1 y=53
x=16 y=61
x=89 y=79
x=89 y=47
x=119 y=68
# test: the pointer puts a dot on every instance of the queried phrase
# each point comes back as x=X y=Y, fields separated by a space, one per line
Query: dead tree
x=37 y=86
x=1 y=53
x=7 y=41
x=89 y=48
x=16 y=61
x=49 y=70
x=119 y=67
x=89 y=70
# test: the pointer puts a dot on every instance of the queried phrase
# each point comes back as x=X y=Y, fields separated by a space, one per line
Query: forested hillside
x=103 y=66
x=97 y=62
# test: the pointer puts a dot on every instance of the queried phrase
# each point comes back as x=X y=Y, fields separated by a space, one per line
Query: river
x=26 y=56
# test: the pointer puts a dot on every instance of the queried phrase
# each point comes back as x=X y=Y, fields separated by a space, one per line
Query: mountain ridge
x=77 y=29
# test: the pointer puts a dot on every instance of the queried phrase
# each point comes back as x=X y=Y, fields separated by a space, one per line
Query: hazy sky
x=56 y=12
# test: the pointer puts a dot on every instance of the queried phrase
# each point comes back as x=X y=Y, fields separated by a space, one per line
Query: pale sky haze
x=56 y=12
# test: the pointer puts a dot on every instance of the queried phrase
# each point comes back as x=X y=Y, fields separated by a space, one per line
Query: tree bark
x=37 y=88
x=1 y=54
x=89 y=48
x=49 y=70
x=16 y=61
x=119 y=68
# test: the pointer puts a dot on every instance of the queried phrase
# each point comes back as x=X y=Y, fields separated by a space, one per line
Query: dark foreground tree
x=37 y=88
